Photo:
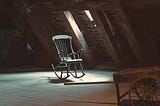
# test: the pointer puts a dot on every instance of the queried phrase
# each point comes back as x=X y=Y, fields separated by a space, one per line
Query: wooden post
x=109 y=42
x=130 y=35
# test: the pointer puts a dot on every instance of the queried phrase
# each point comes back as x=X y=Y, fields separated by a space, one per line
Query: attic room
x=113 y=57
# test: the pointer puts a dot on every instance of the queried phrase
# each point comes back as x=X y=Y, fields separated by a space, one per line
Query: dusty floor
x=43 y=89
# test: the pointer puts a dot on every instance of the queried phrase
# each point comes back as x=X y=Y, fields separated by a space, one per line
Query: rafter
x=62 y=5
x=41 y=29
x=130 y=35
x=109 y=43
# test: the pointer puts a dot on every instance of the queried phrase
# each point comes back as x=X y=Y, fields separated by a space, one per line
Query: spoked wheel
x=157 y=91
x=61 y=71
x=145 y=92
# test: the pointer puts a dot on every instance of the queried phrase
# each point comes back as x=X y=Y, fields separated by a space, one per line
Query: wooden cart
x=144 y=89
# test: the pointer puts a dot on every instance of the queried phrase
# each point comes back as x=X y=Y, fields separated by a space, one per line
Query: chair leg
x=75 y=69
x=75 y=75
x=82 y=68
x=58 y=70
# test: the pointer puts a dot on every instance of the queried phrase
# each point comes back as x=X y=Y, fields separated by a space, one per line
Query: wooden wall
x=144 y=18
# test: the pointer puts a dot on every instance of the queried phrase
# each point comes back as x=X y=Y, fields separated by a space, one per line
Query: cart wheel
x=157 y=91
x=145 y=92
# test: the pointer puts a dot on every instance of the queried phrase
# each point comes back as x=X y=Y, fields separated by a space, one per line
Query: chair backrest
x=63 y=45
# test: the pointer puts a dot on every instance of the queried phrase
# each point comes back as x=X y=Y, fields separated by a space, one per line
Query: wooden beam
x=83 y=29
x=130 y=35
x=86 y=53
x=70 y=8
x=41 y=29
x=62 y=5
x=109 y=43
x=93 y=36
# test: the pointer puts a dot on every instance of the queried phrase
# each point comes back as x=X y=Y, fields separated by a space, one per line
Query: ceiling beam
x=109 y=42
x=62 y=5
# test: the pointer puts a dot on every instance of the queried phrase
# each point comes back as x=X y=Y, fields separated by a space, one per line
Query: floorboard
x=43 y=89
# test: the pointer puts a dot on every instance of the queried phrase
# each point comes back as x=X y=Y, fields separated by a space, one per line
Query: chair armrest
x=76 y=54
x=79 y=51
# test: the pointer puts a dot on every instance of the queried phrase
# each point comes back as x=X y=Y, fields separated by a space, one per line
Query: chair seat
x=74 y=60
x=69 y=59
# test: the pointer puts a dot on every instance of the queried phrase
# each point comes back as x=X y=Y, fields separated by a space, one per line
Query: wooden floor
x=43 y=89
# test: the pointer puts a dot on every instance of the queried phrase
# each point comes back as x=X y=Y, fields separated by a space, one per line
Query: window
x=89 y=15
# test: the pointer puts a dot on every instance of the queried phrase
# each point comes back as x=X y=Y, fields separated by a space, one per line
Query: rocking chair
x=70 y=62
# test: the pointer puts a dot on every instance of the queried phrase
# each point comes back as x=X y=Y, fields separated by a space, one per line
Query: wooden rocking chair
x=70 y=62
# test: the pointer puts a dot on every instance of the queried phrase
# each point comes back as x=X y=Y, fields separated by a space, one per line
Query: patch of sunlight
x=96 y=78
x=87 y=12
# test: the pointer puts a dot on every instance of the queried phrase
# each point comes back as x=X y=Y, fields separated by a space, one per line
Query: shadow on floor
x=56 y=81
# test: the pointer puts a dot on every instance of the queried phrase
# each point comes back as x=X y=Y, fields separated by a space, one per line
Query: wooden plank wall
x=144 y=19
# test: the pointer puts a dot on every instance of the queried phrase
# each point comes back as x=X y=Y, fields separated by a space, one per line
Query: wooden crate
x=132 y=75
